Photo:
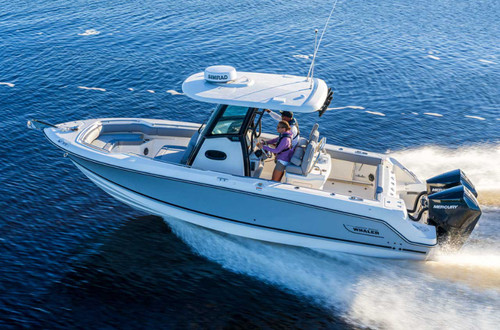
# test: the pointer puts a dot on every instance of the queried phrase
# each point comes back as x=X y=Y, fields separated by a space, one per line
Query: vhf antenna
x=316 y=47
x=311 y=69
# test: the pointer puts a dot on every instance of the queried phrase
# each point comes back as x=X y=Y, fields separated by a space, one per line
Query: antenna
x=311 y=68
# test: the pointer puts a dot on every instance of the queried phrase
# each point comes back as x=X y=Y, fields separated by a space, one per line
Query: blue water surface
x=405 y=74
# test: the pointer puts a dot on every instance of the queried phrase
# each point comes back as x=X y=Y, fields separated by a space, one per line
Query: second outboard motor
x=448 y=180
x=454 y=212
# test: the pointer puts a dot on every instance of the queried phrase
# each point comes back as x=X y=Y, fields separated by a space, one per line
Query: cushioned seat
x=310 y=156
x=305 y=153
x=317 y=176
x=298 y=153
x=309 y=166
x=294 y=169
x=126 y=139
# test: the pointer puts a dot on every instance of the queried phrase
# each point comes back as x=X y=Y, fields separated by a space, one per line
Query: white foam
x=475 y=117
x=90 y=32
x=150 y=91
x=305 y=57
x=7 y=84
x=433 y=57
x=131 y=89
x=487 y=61
x=347 y=107
x=92 y=88
x=174 y=92
x=415 y=113
x=375 y=113
x=480 y=259
x=479 y=162
x=366 y=292
x=411 y=298
x=433 y=114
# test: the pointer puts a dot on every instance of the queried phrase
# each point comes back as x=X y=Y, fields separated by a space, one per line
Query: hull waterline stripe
x=412 y=250
x=237 y=221
x=243 y=192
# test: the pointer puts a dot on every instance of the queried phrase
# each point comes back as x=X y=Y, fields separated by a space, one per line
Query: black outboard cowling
x=449 y=179
x=454 y=212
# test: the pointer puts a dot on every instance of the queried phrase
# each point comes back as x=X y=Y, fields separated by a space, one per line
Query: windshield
x=231 y=120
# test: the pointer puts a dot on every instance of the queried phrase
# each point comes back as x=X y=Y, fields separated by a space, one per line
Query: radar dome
x=220 y=73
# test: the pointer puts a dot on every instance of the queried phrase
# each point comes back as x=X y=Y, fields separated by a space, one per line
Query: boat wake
x=479 y=162
x=456 y=291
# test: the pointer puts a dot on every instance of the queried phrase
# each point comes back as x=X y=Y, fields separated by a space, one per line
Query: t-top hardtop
x=221 y=84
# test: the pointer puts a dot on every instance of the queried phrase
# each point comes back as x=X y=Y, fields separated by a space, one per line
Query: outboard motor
x=454 y=212
x=448 y=180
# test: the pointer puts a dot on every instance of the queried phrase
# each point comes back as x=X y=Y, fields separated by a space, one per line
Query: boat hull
x=252 y=214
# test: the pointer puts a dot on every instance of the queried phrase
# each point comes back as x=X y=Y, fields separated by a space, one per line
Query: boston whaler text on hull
x=331 y=197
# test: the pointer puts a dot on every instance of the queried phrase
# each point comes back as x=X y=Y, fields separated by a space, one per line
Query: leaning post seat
x=301 y=146
x=309 y=166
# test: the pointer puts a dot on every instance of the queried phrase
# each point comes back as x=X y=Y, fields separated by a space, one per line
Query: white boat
x=332 y=198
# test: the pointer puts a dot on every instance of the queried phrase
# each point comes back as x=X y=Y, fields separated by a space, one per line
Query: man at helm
x=288 y=117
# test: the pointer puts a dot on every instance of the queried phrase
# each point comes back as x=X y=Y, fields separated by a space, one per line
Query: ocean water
x=416 y=79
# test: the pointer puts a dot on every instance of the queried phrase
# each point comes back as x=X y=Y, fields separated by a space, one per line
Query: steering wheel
x=266 y=154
